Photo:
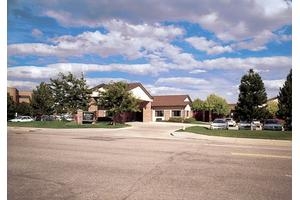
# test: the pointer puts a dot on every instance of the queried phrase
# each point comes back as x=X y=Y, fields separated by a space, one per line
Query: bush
x=175 y=119
x=189 y=120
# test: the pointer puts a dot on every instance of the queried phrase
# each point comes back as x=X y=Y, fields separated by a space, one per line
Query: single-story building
x=167 y=106
x=152 y=108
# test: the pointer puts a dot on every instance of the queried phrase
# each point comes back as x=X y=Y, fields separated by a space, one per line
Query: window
x=159 y=113
x=176 y=113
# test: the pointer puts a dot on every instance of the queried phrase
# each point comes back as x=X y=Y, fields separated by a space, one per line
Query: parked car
x=219 y=123
x=230 y=122
x=272 y=124
x=22 y=119
x=256 y=125
x=244 y=125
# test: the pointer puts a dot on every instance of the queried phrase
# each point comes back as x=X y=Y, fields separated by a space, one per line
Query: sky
x=172 y=47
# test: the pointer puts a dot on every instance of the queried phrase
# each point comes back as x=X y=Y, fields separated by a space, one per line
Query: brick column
x=147 y=113
x=79 y=116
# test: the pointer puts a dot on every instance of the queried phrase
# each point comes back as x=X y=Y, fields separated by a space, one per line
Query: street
x=145 y=161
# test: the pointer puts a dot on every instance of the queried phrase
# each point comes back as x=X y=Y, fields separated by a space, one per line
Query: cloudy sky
x=171 y=47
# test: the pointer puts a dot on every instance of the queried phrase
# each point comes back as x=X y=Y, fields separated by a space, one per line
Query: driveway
x=145 y=161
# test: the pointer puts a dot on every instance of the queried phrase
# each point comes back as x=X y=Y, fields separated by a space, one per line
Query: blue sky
x=171 y=47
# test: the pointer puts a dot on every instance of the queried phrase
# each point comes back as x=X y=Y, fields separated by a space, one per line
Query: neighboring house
x=165 y=107
x=138 y=91
x=19 y=96
x=155 y=108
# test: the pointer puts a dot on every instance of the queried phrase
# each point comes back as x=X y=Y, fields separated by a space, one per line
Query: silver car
x=272 y=124
x=219 y=123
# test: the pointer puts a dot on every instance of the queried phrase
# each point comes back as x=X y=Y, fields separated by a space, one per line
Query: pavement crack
x=156 y=171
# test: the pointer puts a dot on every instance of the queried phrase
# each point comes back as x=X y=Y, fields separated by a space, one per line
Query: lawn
x=274 y=135
x=63 y=124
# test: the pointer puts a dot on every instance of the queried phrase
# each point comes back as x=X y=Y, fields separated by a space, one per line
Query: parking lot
x=145 y=161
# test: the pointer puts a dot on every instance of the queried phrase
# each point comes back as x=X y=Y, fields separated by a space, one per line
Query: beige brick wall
x=147 y=113
x=167 y=114
x=100 y=113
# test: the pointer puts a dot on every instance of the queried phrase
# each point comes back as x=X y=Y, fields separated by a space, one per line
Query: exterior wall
x=19 y=96
x=147 y=113
x=140 y=94
x=168 y=112
x=25 y=96
x=101 y=113
x=14 y=93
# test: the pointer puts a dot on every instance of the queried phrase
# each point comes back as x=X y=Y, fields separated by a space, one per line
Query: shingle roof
x=171 y=100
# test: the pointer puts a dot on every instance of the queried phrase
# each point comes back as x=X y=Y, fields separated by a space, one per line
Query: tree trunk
x=209 y=116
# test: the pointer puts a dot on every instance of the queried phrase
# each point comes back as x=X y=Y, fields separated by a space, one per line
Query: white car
x=230 y=122
x=218 y=124
x=22 y=119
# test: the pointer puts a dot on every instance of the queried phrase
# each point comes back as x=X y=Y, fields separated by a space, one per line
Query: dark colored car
x=272 y=124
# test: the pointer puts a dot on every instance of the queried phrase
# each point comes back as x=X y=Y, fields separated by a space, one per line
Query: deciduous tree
x=116 y=99
x=42 y=100
x=217 y=105
x=70 y=93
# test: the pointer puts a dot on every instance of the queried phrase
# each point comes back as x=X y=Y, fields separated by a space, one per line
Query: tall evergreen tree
x=252 y=97
x=285 y=102
x=42 y=100
x=70 y=93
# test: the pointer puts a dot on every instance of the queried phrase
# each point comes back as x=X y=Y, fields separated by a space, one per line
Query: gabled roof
x=171 y=101
x=131 y=86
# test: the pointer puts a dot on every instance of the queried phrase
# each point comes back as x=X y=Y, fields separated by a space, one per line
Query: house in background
x=165 y=107
x=152 y=108
x=19 y=96
x=138 y=91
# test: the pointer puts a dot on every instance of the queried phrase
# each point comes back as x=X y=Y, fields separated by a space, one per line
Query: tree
x=217 y=105
x=11 y=107
x=24 y=109
x=69 y=93
x=272 y=108
x=285 y=102
x=252 y=97
x=199 y=106
x=116 y=99
x=42 y=100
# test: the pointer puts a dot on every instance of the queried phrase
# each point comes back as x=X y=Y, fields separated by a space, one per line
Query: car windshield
x=219 y=121
x=271 y=121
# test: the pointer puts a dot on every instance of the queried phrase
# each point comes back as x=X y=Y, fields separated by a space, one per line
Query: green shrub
x=189 y=120
x=175 y=119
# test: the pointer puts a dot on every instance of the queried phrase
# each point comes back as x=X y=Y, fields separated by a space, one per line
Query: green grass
x=274 y=135
x=63 y=124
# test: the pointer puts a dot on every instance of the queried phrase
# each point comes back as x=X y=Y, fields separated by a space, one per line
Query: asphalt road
x=146 y=161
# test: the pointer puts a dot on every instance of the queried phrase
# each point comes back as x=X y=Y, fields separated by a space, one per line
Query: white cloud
x=273 y=84
x=36 y=32
x=187 y=81
x=197 y=71
x=209 y=46
x=22 y=85
x=262 y=63
x=238 y=21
